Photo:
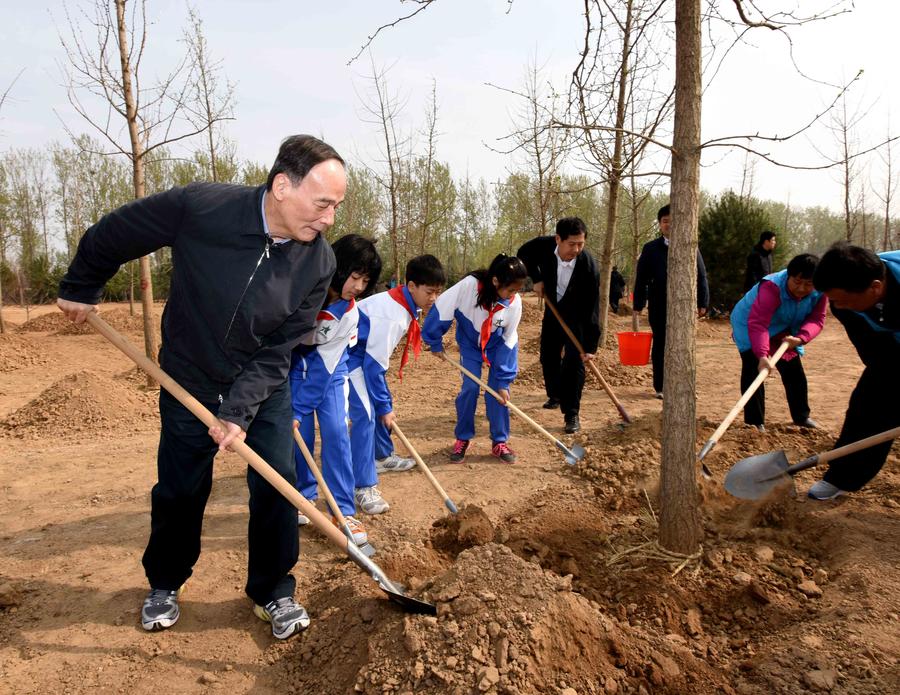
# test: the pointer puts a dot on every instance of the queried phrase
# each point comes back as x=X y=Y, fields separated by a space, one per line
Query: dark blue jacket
x=651 y=277
x=238 y=303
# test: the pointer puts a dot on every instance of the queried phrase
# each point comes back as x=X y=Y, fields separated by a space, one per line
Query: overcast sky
x=289 y=62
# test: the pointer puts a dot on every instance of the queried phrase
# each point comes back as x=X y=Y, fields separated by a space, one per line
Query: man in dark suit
x=566 y=273
x=650 y=281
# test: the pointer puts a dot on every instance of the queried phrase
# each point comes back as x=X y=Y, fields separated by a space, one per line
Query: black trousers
x=658 y=350
x=872 y=409
x=562 y=367
x=184 y=470
x=795 y=388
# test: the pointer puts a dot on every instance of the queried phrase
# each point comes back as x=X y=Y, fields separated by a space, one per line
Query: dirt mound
x=82 y=403
x=456 y=532
x=18 y=351
x=57 y=324
x=505 y=625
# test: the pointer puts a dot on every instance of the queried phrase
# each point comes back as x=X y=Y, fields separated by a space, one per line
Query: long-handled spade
x=320 y=521
x=742 y=401
x=428 y=474
x=367 y=548
x=594 y=368
x=573 y=455
x=755 y=477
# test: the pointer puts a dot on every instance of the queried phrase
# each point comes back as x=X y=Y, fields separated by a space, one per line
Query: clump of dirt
x=454 y=533
x=18 y=351
x=504 y=625
x=81 y=403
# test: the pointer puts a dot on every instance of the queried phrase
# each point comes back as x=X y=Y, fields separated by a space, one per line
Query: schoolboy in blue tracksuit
x=318 y=377
x=384 y=319
x=487 y=309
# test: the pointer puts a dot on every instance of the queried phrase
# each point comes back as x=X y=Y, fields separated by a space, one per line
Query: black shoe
x=551 y=404
x=808 y=423
x=573 y=424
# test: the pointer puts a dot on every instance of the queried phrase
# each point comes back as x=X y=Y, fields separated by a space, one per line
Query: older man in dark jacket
x=759 y=262
x=250 y=270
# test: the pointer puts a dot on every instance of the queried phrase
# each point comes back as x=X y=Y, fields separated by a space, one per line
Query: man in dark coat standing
x=759 y=262
x=650 y=281
x=566 y=273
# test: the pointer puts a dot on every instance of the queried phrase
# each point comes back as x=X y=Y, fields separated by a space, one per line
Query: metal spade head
x=573 y=455
x=396 y=593
x=755 y=477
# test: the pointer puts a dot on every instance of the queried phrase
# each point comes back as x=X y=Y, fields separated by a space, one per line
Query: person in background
x=384 y=319
x=566 y=273
x=650 y=287
x=864 y=290
x=487 y=310
x=616 y=289
x=759 y=262
x=318 y=379
x=783 y=306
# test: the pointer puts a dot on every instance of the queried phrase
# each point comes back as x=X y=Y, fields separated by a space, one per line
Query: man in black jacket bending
x=565 y=273
x=650 y=286
x=250 y=271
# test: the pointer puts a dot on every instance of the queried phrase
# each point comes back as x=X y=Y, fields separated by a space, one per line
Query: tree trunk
x=680 y=526
x=137 y=162
x=2 y=321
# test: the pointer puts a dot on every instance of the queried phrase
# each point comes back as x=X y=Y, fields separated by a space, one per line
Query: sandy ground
x=548 y=583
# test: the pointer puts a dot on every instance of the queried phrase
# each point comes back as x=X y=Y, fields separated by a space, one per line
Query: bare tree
x=105 y=67
x=3 y=232
x=382 y=109
x=211 y=101
x=886 y=195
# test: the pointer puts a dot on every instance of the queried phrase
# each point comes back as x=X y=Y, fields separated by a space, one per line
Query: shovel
x=428 y=474
x=755 y=477
x=573 y=455
x=742 y=401
x=594 y=368
x=367 y=548
x=394 y=591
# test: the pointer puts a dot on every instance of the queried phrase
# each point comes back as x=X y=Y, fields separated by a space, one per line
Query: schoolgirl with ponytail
x=487 y=309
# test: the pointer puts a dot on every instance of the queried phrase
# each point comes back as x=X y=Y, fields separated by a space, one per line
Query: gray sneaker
x=369 y=499
x=823 y=491
x=160 y=609
x=393 y=464
x=286 y=615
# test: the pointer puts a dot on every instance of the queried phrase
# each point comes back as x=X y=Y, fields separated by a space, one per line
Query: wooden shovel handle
x=853 y=447
x=509 y=404
x=742 y=401
x=317 y=474
x=254 y=460
x=428 y=474
x=594 y=368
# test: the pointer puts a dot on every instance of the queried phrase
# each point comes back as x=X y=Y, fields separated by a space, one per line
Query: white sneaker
x=393 y=464
x=369 y=499
x=823 y=490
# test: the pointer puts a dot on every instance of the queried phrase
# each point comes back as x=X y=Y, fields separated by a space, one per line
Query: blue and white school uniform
x=384 y=319
x=482 y=335
x=319 y=385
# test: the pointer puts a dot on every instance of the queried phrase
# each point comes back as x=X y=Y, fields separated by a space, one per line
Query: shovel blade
x=573 y=455
x=413 y=605
x=755 y=477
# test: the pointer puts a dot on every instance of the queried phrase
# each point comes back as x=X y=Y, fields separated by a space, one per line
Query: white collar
x=567 y=264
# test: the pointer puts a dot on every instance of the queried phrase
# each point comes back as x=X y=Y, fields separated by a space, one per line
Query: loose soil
x=548 y=581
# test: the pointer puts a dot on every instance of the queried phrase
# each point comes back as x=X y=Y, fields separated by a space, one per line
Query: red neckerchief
x=487 y=328
x=413 y=335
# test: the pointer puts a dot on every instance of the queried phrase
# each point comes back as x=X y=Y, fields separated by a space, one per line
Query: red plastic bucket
x=634 y=348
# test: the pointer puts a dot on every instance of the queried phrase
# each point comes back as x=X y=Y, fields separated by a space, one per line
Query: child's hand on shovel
x=225 y=433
